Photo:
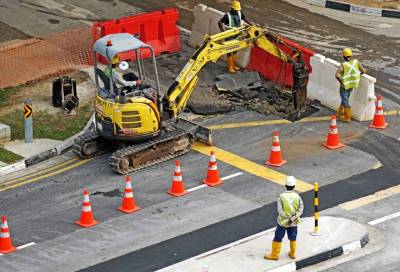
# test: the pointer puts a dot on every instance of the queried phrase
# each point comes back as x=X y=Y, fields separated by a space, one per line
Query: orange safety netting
x=36 y=58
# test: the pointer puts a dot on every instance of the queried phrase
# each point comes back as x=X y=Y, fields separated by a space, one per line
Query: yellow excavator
x=141 y=126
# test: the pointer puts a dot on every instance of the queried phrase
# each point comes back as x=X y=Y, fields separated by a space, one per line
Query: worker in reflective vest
x=290 y=208
x=234 y=18
x=348 y=75
x=117 y=77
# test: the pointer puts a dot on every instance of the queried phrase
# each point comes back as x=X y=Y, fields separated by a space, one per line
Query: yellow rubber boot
x=237 y=68
x=276 y=249
x=340 y=112
x=347 y=115
x=292 y=252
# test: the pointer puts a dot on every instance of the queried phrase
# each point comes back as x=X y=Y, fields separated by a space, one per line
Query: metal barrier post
x=316 y=203
x=28 y=120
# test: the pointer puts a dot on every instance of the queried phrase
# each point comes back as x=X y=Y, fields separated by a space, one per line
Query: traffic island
x=337 y=236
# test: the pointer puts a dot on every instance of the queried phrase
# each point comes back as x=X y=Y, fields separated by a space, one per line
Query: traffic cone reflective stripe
x=87 y=219
x=177 y=187
x=6 y=245
x=379 y=118
x=128 y=202
x=333 y=138
x=275 y=156
x=213 y=178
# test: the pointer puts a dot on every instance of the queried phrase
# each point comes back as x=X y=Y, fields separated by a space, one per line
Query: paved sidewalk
x=30 y=149
x=338 y=236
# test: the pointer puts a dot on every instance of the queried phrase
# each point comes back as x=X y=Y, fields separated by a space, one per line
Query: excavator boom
x=231 y=41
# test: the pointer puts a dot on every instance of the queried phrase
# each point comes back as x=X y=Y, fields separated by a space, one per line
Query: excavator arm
x=216 y=46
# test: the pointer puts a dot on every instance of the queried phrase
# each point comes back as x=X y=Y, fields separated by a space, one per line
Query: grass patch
x=46 y=125
x=6 y=95
x=9 y=157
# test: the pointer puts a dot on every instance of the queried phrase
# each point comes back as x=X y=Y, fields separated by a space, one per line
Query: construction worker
x=117 y=77
x=290 y=208
x=234 y=18
x=348 y=75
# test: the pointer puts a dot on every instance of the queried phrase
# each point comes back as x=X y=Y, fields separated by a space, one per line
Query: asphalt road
x=180 y=248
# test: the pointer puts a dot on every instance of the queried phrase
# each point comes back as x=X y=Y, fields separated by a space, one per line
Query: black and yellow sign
x=28 y=111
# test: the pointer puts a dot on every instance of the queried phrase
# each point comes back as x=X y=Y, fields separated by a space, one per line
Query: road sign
x=28 y=111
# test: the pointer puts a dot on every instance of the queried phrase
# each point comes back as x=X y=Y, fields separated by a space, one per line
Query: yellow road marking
x=249 y=166
x=282 y=121
x=269 y=122
x=44 y=176
x=39 y=172
x=357 y=203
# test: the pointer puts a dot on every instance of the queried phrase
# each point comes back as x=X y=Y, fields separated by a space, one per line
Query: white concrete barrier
x=324 y=87
x=206 y=22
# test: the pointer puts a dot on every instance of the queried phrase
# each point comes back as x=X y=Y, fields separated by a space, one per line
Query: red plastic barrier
x=157 y=28
x=273 y=68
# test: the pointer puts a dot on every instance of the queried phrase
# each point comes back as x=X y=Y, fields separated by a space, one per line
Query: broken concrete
x=237 y=81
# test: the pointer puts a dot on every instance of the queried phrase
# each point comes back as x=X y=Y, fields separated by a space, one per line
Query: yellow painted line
x=268 y=122
x=39 y=172
x=5 y=188
x=357 y=203
x=393 y=112
x=282 y=121
x=249 y=166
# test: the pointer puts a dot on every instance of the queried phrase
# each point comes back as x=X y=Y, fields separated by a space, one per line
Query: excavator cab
x=124 y=112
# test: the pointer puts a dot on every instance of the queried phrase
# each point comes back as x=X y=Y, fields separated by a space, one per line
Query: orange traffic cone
x=275 y=156
x=213 y=178
x=177 y=188
x=333 y=139
x=6 y=245
x=128 y=202
x=87 y=219
x=379 y=118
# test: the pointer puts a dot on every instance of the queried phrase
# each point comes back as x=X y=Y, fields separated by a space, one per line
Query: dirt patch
x=8 y=33
x=386 y=4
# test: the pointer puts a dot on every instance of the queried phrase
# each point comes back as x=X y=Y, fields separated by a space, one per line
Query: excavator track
x=169 y=145
x=86 y=145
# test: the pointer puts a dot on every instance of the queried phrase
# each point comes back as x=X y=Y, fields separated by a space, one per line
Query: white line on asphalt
x=223 y=178
x=23 y=246
x=383 y=219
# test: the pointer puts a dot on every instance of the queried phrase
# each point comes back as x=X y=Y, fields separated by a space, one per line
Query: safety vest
x=290 y=205
x=351 y=74
x=107 y=71
x=231 y=21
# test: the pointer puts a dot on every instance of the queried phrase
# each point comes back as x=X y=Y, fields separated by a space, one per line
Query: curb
x=390 y=13
x=343 y=250
x=55 y=151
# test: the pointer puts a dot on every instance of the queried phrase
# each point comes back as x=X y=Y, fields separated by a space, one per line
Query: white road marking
x=23 y=246
x=223 y=178
x=384 y=219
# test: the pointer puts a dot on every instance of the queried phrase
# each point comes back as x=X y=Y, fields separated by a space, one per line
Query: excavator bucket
x=199 y=132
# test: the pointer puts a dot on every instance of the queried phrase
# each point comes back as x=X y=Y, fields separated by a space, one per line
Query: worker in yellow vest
x=349 y=76
x=234 y=18
x=290 y=208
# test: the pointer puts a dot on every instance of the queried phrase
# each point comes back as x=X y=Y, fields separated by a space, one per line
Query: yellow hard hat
x=115 y=60
x=236 y=5
x=347 y=52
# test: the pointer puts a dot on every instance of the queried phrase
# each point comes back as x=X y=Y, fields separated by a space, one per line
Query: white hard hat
x=290 y=181
x=123 y=65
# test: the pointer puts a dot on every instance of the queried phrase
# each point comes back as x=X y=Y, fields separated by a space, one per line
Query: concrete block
x=320 y=3
x=365 y=10
x=5 y=133
x=206 y=22
x=324 y=87
x=12 y=168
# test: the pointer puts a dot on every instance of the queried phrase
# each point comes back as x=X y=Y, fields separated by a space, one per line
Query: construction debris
x=238 y=81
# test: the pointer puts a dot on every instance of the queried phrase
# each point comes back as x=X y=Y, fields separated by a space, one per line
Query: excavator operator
x=127 y=81
x=234 y=18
